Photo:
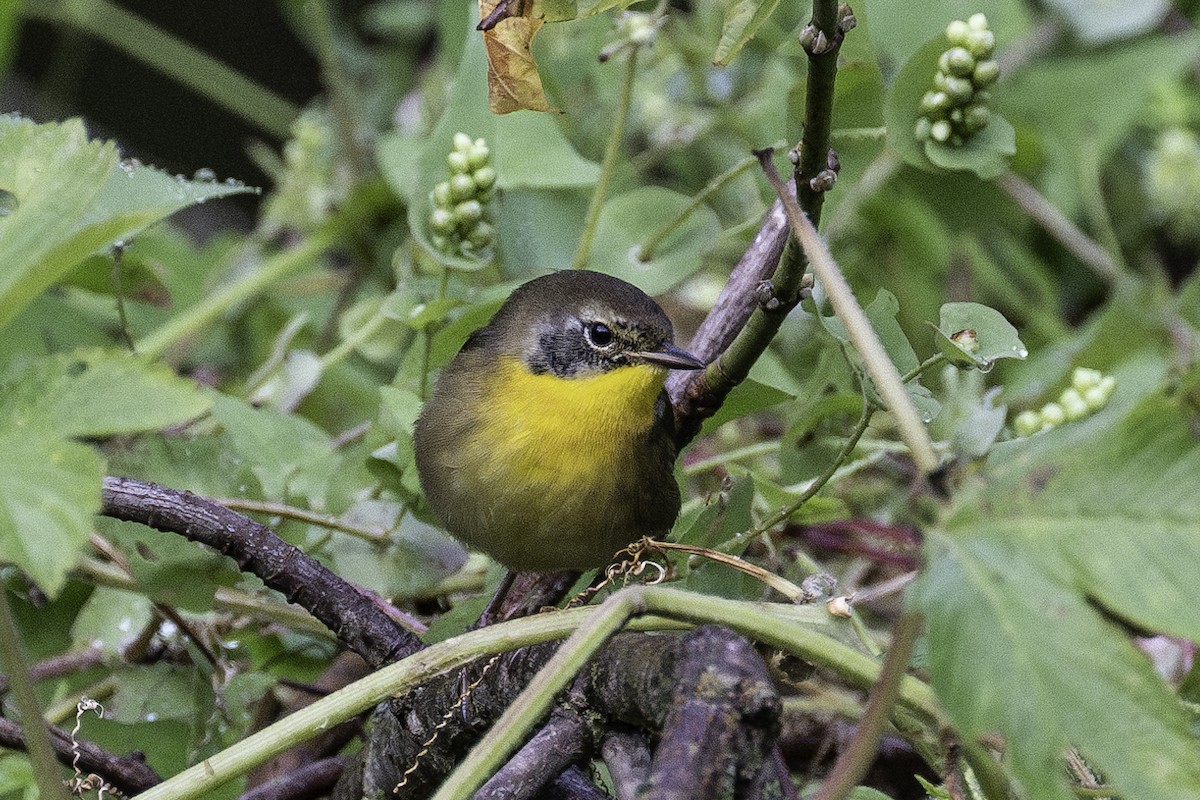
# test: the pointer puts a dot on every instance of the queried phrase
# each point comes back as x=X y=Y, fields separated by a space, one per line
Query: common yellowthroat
x=548 y=442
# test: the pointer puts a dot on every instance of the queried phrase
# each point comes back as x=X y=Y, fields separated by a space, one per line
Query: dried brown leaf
x=513 y=79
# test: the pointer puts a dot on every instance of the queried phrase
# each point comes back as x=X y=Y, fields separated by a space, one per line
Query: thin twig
x=373 y=535
x=352 y=615
x=856 y=759
x=1056 y=223
x=608 y=166
x=880 y=367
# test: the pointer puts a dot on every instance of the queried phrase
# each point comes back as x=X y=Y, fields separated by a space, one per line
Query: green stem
x=645 y=251
x=200 y=316
x=100 y=691
x=1054 y=222
x=733 y=365
x=611 y=150
x=343 y=97
x=879 y=366
x=1091 y=172
x=33 y=724
x=749 y=451
x=170 y=55
x=347 y=346
x=856 y=759
x=920 y=369
x=507 y=734
x=818 y=121
x=795 y=629
x=427 y=335
x=847 y=448
x=988 y=772
x=535 y=701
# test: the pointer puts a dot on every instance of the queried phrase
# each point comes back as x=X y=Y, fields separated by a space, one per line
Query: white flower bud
x=1027 y=423
x=1053 y=414
x=957 y=31
x=458 y=163
x=1073 y=404
x=1083 y=378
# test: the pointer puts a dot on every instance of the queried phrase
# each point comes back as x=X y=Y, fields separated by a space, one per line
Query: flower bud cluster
x=955 y=109
x=1172 y=183
x=1088 y=393
x=460 y=219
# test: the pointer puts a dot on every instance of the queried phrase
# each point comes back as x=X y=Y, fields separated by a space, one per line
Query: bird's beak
x=671 y=357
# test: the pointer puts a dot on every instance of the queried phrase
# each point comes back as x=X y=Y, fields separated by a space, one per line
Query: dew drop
x=204 y=174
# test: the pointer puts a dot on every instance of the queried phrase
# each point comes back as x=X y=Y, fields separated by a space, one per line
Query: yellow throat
x=557 y=431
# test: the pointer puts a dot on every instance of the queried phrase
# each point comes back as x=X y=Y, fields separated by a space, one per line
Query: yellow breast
x=549 y=431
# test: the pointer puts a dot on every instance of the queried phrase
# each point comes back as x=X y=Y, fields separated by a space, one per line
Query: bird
x=548 y=442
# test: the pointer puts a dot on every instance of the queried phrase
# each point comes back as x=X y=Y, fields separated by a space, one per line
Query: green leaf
x=538 y=230
x=970 y=419
x=171 y=569
x=49 y=492
x=153 y=692
x=1099 y=21
x=562 y=10
x=398 y=412
x=723 y=519
x=387 y=334
x=70 y=197
x=882 y=313
x=743 y=18
x=16 y=772
x=995 y=336
x=418 y=557
x=137 y=278
x=1089 y=128
x=987 y=153
x=277 y=446
x=629 y=220
x=746 y=398
x=111 y=619
x=97 y=393
x=53 y=485
x=898 y=30
x=530 y=151
x=292 y=381
x=867 y=793
x=1101 y=513
x=398 y=155
x=1015 y=651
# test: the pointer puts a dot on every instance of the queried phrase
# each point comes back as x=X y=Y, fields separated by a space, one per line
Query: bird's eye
x=599 y=334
